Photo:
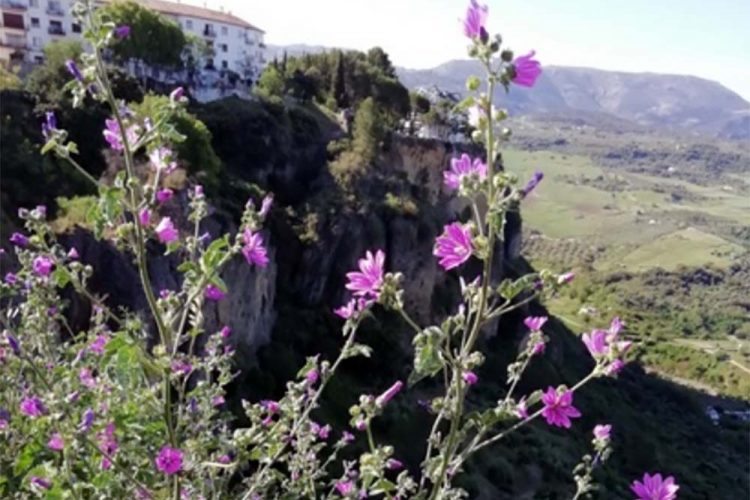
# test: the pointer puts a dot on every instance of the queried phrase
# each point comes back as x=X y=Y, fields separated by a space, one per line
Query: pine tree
x=338 y=84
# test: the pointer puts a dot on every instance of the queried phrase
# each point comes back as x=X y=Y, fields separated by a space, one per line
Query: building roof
x=182 y=9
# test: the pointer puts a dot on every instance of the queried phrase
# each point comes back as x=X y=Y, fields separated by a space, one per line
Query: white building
x=28 y=25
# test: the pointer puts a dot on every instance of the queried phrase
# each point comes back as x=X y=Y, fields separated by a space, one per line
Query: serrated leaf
x=428 y=359
x=358 y=350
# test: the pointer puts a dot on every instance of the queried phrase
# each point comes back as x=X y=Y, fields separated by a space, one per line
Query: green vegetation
x=196 y=154
x=154 y=39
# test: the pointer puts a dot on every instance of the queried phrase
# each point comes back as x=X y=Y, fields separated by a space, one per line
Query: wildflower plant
x=135 y=405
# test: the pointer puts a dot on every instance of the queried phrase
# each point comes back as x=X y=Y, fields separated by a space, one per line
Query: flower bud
x=506 y=56
x=472 y=83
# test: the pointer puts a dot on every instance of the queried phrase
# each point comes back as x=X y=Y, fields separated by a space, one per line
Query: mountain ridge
x=667 y=101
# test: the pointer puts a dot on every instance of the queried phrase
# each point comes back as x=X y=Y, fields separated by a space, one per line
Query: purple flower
x=169 y=460
x=144 y=217
x=368 y=281
x=558 y=408
x=270 y=406
x=73 y=254
x=11 y=279
x=72 y=68
x=225 y=332
x=527 y=70
x=615 y=367
x=42 y=265
x=360 y=424
x=476 y=18
x=87 y=420
x=353 y=308
x=324 y=432
x=265 y=206
x=533 y=183
x=384 y=398
x=107 y=445
x=470 y=378
x=49 y=125
x=122 y=31
x=521 y=410
x=597 y=343
x=454 y=246
x=602 y=432
x=177 y=94
x=224 y=459
x=566 y=278
x=538 y=348
x=181 y=367
x=312 y=376
x=56 y=442
x=218 y=400
x=198 y=190
x=164 y=195
x=166 y=231
x=40 y=482
x=113 y=135
x=655 y=488
x=535 y=323
x=161 y=159
x=97 y=346
x=464 y=167
x=86 y=378
x=32 y=407
x=393 y=464
x=347 y=437
x=345 y=488
x=13 y=343
x=19 y=240
x=214 y=293
x=254 y=251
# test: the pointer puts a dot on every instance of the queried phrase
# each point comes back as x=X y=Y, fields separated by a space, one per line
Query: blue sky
x=706 y=38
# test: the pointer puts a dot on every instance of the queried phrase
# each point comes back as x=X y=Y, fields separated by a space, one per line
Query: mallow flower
x=475 y=20
x=42 y=265
x=527 y=70
x=462 y=167
x=253 y=250
x=558 y=407
x=655 y=488
x=454 y=246
x=169 y=461
x=368 y=280
x=166 y=231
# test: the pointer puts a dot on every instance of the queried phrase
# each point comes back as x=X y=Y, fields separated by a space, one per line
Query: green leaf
x=61 y=276
x=358 y=350
x=383 y=486
x=214 y=253
x=428 y=359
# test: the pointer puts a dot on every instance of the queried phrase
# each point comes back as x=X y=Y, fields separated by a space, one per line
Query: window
x=224 y=64
x=54 y=7
x=208 y=30
x=189 y=24
x=38 y=59
x=34 y=22
x=224 y=30
x=36 y=41
x=75 y=28
x=55 y=28
x=224 y=47
x=13 y=20
x=33 y=3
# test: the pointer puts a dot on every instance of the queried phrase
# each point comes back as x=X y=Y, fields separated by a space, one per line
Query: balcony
x=249 y=41
x=56 y=30
x=13 y=4
x=262 y=45
x=55 y=10
x=14 y=43
x=209 y=32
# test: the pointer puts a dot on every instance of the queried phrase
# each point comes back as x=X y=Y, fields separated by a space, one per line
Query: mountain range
x=651 y=101
x=657 y=101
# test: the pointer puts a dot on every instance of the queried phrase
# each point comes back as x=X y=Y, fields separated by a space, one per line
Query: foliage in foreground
x=135 y=405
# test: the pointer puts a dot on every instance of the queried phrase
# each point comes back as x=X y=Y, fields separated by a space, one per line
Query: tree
x=196 y=153
x=368 y=130
x=9 y=79
x=338 y=84
x=270 y=83
x=47 y=80
x=154 y=39
x=378 y=58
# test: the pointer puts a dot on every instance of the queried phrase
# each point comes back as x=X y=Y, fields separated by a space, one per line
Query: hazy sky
x=707 y=38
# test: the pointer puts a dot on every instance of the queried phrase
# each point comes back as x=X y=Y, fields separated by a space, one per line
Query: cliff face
x=312 y=275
